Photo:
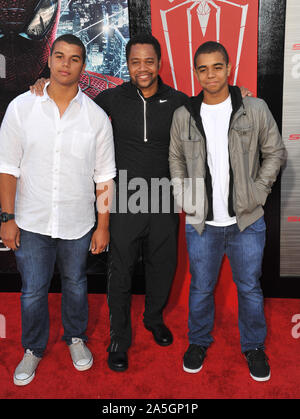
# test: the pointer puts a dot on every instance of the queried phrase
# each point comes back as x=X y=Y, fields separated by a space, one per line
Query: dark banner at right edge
x=290 y=182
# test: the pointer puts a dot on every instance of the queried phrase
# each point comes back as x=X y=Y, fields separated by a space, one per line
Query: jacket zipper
x=145 y=122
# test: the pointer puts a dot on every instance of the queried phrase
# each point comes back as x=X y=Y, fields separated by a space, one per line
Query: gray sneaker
x=81 y=355
x=25 y=371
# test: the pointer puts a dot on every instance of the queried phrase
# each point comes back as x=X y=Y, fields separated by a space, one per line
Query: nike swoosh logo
x=162 y=101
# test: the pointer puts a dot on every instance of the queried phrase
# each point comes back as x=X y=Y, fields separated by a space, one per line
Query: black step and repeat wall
x=278 y=73
x=290 y=182
x=270 y=86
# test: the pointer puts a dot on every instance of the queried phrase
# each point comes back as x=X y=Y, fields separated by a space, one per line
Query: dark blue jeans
x=36 y=259
x=245 y=252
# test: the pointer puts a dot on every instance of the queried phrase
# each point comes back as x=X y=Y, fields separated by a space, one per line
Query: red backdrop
x=181 y=26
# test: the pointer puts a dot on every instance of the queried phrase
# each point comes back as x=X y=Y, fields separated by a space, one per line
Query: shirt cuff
x=10 y=170
x=104 y=178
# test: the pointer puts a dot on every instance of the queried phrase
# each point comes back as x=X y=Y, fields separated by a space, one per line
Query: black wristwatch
x=4 y=217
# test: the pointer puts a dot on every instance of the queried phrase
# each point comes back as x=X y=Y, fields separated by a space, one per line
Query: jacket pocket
x=243 y=138
x=194 y=200
x=189 y=195
x=259 y=195
x=192 y=148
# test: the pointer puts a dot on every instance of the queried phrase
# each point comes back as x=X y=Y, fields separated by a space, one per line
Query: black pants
x=157 y=234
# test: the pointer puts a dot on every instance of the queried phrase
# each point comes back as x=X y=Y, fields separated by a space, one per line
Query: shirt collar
x=78 y=98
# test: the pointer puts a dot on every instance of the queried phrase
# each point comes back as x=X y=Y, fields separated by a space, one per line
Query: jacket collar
x=195 y=102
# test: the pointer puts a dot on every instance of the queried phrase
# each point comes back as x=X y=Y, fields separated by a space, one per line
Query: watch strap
x=4 y=216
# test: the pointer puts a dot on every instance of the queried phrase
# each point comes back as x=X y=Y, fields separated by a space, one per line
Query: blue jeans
x=245 y=252
x=36 y=259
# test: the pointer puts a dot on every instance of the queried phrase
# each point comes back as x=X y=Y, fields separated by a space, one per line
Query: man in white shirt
x=53 y=149
x=217 y=140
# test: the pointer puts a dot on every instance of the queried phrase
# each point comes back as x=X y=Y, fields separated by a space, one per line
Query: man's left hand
x=100 y=240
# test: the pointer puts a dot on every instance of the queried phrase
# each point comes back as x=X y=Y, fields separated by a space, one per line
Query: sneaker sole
x=261 y=379
x=84 y=367
x=28 y=380
x=192 y=371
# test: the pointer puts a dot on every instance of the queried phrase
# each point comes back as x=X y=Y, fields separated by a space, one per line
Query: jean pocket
x=189 y=228
x=258 y=226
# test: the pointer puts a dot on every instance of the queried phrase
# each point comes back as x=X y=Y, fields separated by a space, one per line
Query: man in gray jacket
x=217 y=140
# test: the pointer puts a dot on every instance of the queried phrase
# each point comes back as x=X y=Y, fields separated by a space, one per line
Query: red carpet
x=154 y=372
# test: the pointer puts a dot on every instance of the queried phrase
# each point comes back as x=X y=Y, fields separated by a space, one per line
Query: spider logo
x=203 y=9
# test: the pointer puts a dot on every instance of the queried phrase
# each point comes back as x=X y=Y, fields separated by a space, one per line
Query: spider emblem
x=204 y=10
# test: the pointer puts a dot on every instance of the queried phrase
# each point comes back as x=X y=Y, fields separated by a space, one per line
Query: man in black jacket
x=141 y=112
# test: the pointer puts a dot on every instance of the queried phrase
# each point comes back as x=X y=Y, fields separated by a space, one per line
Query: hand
x=100 y=240
x=245 y=92
x=10 y=234
x=38 y=87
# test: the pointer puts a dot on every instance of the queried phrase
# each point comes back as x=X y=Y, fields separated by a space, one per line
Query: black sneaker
x=258 y=365
x=193 y=358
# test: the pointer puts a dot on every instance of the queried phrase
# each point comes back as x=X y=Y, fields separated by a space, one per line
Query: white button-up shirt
x=57 y=161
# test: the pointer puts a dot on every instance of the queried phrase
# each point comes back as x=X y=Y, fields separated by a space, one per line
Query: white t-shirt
x=216 y=120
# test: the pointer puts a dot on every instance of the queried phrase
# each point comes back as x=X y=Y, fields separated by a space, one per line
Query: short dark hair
x=72 y=40
x=208 y=48
x=143 y=38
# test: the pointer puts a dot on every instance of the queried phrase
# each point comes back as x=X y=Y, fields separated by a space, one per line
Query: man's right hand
x=38 y=87
x=10 y=234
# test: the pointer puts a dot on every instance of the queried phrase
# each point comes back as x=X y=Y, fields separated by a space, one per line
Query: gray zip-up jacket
x=256 y=153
